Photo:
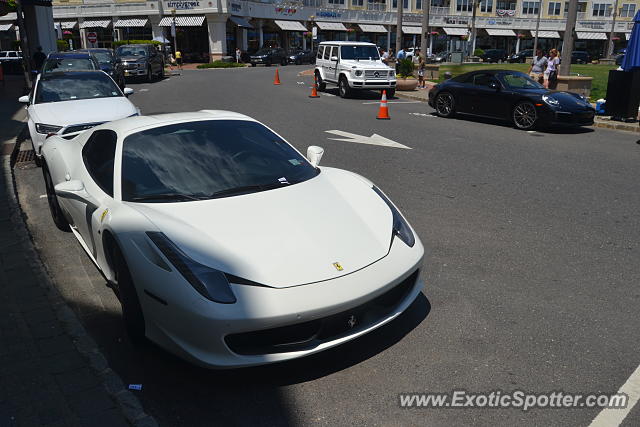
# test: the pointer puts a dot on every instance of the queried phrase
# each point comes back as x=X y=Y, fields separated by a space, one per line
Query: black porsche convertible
x=512 y=96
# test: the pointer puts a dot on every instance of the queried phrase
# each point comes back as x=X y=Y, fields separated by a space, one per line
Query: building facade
x=207 y=30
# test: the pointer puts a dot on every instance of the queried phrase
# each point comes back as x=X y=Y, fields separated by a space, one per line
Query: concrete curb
x=126 y=401
x=600 y=123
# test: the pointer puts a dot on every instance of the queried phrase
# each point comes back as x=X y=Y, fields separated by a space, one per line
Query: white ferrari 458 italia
x=224 y=244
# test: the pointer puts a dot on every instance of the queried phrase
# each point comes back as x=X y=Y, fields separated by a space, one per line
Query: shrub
x=62 y=45
x=122 y=42
x=405 y=68
x=220 y=64
x=478 y=52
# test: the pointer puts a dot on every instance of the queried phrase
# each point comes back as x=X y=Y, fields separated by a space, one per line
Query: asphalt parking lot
x=531 y=266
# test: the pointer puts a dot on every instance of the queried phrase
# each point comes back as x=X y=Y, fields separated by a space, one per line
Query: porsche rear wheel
x=524 y=115
x=445 y=104
x=56 y=212
x=131 y=309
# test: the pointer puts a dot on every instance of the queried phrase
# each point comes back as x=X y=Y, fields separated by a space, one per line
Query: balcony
x=379 y=7
x=439 y=10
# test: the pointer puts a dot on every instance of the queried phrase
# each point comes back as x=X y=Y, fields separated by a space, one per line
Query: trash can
x=623 y=94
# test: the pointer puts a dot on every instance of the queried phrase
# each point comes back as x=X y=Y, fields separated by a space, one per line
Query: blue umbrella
x=631 y=59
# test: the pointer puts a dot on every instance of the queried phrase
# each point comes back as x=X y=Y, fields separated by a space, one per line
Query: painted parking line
x=424 y=115
x=612 y=417
x=394 y=102
x=143 y=90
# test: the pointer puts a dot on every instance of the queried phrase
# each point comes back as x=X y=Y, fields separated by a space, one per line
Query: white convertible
x=224 y=244
x=65 y=103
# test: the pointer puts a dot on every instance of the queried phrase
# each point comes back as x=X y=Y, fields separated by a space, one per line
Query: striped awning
x=65 y=25
x=331 y=26
x=591 y=36
x=546 y=34
x=240 y=22
x=365 y=28
x=103 y=23
x=291 y=26
x=6 y=26
x=137 y=22
x=411 y=29
x=182 y=21
x=455 y=31
x=500 y=32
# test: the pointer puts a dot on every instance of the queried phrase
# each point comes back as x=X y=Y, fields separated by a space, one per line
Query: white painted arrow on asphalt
x=374 y=139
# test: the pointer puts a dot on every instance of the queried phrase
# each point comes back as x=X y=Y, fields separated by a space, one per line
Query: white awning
x=6 y=26
x=95 y=24
x=120 y=23
x=455 y=31
x=241 y=22
x=332 y=26
x=591 y=36
x=291 y=26
x=372 y=28
x=411 y=29
x=182 y=21
x=546 y=34
x=65 y=25
x=500 y=32
x=628 y=35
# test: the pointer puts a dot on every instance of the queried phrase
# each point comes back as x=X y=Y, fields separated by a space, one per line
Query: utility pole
x=400 y=4
x=613 y=29
x=174 y=32
x=426 y=34
x=535 y=39
x=472 y=40
x=24 y=46
x=567 y=42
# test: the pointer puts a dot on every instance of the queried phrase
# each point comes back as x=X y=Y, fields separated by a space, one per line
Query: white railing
x=381 y=7
x=439 y=10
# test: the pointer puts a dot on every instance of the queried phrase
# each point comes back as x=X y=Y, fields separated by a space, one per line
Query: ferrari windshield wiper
x=167 y=196
x=247 y=189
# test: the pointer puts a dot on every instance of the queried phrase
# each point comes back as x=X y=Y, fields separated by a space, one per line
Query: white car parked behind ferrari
x=64 y=103
x=224 y=244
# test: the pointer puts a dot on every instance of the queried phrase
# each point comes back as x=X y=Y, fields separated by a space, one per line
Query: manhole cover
x=25 y=156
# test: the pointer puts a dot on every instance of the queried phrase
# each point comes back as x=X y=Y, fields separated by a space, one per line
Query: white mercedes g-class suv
x=353 y=66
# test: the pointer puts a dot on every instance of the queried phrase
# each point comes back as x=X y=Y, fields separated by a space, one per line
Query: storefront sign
x=183 y=5
x=325 y=14
x=286 y=11
x=500 y=22
x=450 y=20
x=594 y=25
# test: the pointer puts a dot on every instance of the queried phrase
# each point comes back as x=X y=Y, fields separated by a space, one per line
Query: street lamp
x=174 y=32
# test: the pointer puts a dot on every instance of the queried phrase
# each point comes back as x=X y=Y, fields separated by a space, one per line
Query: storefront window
x=601 y=9
x=554 y=8
x=486 y=6
x=628 y=10
x=463 y=5
x=530 y=7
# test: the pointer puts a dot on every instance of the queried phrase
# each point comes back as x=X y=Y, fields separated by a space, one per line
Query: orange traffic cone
x=276 y=80
x=314 y=88
x=383 y=112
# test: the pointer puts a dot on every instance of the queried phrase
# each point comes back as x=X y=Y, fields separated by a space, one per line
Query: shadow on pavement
x=370 y=95
x=555 y=130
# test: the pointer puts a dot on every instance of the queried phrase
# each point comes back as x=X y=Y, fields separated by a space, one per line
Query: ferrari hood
x=84 y=111
x=329 y=226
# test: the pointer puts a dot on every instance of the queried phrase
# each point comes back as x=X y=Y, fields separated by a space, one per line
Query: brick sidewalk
x=51 y=373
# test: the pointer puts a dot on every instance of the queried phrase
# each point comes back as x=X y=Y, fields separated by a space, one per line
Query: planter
x=578 y=84
x=406 y=84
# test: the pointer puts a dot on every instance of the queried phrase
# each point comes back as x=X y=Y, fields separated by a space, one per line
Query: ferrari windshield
x=74 y=86
x=208 y=159
x=520 y=81
x=359 y=52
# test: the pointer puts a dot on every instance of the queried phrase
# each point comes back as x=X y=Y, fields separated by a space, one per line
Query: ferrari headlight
x=400 y=226
x=208 y=282
x=47 y=129
x=550 y=100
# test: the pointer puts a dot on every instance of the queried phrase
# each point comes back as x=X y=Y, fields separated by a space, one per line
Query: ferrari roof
x=129 y=124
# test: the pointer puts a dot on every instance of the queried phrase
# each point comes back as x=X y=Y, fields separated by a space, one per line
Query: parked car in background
x=11 y=61
x=619 y=59
x=69 y=61
x=141 y=60
x=580 y=57
x=494 y=55
x=213 y=291
x=269 y=55
x=511 y=96
x=441 y=56
x=521 y=57
x=108 y=63
x=302 y=57
x=64 y=103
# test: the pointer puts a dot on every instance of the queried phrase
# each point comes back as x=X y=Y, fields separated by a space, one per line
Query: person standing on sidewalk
x=179 y=59
x=551 y=73
x=538 y=66
x=238 y=55
x=421 y=69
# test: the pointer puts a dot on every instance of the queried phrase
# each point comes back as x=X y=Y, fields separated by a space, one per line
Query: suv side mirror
x=127 y=91
x=334 y=58
x=24 y=99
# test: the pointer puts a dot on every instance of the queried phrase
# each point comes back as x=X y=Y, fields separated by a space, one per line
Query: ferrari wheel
x=56 y=212
x=524 y=115
x=445 y=104
x=131 y=309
